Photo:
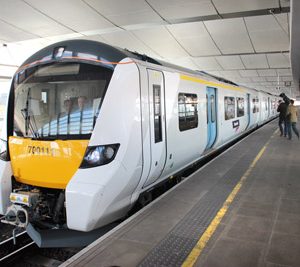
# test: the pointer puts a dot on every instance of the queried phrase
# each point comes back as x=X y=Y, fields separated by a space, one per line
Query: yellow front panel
x=45 y=163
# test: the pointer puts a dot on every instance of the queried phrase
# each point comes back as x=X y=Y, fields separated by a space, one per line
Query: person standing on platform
x=282 y=109
x=292 y=120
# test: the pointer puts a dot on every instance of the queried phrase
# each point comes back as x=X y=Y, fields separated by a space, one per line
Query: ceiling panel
x=186 y=63
x=126 y=12
x=163 y=43
x=273 y=79
x=125 y=39
x=283 y=21
x=81 y=18
x=284 y=72
x=26 y=18
x=248 y=73
x=266 y=34
x=285 y=3
x=230 y=73
x=230 y=62
x=267 y=72
x=8 y=33
x=181 y=9
x=230 y=35
x=231 y=6
x=258 y=79
x=195 y=39
x=207 y=63
x=255 y=61
x=278 y=60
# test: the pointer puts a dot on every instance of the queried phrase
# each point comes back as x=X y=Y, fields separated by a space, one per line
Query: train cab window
x=255 y=102
x=157 y=113
x=213 y=108
x=229 y=104
x=240 y=106
x=59 y=100
x=187 y=111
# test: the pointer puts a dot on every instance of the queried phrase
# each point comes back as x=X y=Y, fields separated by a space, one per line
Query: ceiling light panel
x=183 y=9
x=126 y=12
x=231 y=6
x=255 y=61
x=195 y=39
x=80 y=18
x=230 y=62
x=230 y=35
x=27 y=18
x=266 y=34
x=161 y=41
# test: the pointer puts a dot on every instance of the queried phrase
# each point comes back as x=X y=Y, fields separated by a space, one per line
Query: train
x=91 y=128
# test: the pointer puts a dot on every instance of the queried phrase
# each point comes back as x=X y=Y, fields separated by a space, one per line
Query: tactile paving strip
x=176 y=246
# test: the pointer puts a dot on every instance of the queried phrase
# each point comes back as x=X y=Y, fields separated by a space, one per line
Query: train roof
x=102 y=52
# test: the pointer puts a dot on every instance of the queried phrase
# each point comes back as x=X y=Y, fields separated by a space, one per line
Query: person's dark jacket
x=282 y=109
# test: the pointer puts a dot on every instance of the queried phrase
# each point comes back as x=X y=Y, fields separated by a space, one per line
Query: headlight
x=3 y=150
x=99 y=155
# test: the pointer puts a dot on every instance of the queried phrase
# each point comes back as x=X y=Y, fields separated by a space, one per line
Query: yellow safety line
x=197 y=250
x=213 y=84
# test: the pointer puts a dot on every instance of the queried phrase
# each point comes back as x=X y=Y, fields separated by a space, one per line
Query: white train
x=90 y=127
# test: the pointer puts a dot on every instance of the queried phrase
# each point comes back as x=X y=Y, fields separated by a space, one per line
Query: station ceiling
x=246 y=41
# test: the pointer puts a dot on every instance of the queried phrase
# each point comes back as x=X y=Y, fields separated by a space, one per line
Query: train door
x=211 y=109
x=269 y=107
x=248 y=110
x=156 y=100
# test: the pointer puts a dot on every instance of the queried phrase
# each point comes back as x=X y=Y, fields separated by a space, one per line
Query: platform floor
x=242 y=209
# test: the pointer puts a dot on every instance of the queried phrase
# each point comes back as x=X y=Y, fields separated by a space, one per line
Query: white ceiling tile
x=163 y=44
x=230 y=35
x=27 y=18
x=9 y=33
x=273 y=79
x=284 y=72
x=181 y=9
x=248 y=73
x=216 y=73
x=287 y=78
x=267 y=72
x=81 y=18
x=230 y=73
x=127 y=40
x=278 y=60
x=285 y=3
x=7 y=71
x=230 y=62
x=283 y=21
x=195 y=39
x=126 y=12
x=266 y=34
x=231 y=6
x=255 y=61
x=207 y=63
x=258 y=79
x=186 y=63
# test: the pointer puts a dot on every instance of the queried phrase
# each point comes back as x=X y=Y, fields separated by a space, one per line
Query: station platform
x=241 y=209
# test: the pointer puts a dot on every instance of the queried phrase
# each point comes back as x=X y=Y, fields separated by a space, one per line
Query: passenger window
x=229 y=104
x=213 y=108
x=240 y=106
x=157 y=113
x=255 y=103
x=187 y=111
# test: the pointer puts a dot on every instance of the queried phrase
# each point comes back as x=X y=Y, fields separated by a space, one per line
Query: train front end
x=55 y=100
